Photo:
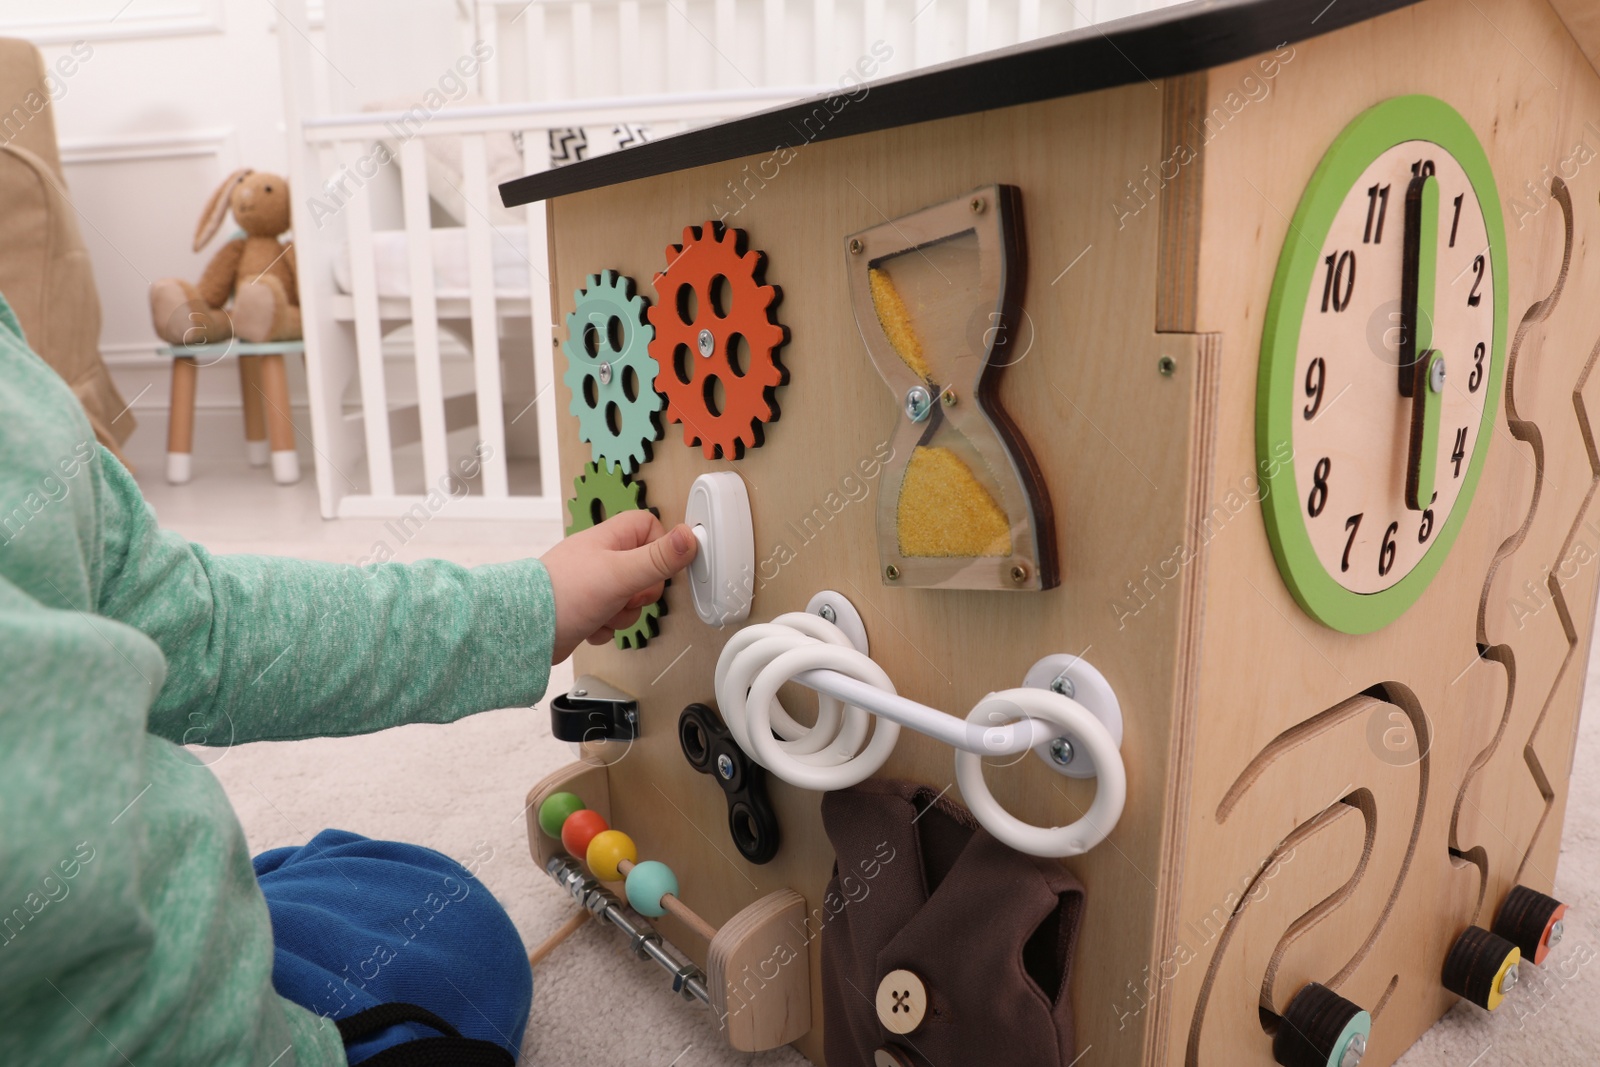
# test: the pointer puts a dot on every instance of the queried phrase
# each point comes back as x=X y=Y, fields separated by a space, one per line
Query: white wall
x=174 y=94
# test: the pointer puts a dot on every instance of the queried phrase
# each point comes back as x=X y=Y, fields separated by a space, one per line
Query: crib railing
x=345 y=334
x=669 y=64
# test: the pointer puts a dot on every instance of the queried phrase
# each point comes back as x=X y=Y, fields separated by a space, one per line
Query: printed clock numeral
x=1353 y=523
x=1319 y=487
x=1340 y=286
x=1316 y=376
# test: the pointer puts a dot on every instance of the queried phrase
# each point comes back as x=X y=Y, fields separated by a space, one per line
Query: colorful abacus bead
x=607 y=849
x=554 y=811
x=647 y=883
x=579 y=829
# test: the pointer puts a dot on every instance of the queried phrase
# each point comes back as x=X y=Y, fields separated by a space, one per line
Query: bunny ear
x=217 y=209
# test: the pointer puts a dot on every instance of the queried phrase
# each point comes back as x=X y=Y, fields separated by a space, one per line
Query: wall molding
x=173 y=20
x=138 y=148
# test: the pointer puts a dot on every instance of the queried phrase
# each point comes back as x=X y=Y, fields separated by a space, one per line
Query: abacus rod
x=687 y=979
x=678 y=908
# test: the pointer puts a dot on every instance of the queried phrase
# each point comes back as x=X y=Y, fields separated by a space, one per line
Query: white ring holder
x=1077 y=735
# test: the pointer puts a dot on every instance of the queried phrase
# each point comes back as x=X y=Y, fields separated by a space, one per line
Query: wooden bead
x=1526 y=920
x=1320 y=1028
x=1478 y=966
x=607 y=849
x=554 y=811
x=579 y=829
x=647 y=883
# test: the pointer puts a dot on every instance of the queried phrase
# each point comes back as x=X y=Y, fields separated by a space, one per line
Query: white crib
x=398 y=223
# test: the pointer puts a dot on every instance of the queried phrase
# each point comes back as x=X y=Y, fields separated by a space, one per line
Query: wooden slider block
x=759 y=973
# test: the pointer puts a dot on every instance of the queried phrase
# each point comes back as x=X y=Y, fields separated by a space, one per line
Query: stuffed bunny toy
x=257 y=271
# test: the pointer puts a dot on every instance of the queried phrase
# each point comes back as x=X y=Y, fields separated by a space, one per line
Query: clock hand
x=1422 y=368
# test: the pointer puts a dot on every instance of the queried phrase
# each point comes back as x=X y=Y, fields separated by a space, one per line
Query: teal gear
x=611 y=372
x=599 y=493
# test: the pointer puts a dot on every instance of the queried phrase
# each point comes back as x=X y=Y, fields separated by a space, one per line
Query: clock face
x=1382 y=362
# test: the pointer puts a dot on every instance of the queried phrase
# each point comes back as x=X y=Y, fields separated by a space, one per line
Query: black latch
x=594 y=711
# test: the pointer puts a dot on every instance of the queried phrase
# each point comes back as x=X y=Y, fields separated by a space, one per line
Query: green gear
x=601 y=492
x=608 y=355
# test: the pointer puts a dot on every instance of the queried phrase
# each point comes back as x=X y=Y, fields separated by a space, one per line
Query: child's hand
x=602 y=576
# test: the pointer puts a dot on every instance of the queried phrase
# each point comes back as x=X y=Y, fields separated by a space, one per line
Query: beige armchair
x=44 y=268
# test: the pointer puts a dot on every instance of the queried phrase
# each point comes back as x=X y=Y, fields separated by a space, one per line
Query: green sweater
x=131 y=926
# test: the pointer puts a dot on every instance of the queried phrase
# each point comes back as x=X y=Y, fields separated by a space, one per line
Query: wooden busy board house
x=1241 y=351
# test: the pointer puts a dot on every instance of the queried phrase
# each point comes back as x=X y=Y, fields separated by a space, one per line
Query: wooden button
x=902 y=1002
x=889 y=1056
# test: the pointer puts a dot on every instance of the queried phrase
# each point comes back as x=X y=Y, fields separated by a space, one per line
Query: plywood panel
x=1117 y=440
x=1266 y=665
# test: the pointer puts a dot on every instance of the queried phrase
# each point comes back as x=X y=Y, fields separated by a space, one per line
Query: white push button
x=902 y=1002
x=723 y=574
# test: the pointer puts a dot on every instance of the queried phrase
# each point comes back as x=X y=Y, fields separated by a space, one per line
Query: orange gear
x=710 y=294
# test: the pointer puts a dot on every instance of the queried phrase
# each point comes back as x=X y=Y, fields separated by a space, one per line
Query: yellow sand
x=896 y=323
x=944 y=511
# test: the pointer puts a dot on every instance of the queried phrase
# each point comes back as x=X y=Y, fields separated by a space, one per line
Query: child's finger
x=631 y=529
x=646 y=596
x=646 y=567
x=624 y=618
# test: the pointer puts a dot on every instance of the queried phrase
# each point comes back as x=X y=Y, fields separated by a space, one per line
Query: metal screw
x=949 y=398
x=827 y=613
x=1436 y=376
x=725 y=766
x=1557 y=929
x=978 y=205
x=706 y=342
x=1019 y=573
x=892 y=573
x=918 y=403
x=1167 y=366
x=1509 y=982
x=855 y=246
x=580 y=692
x=1354 y=1050
x=1064 y=686
x=605 y=374
x=1061 y=751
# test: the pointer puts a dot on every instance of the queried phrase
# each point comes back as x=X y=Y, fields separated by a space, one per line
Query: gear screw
x=605 y=374
x=706 y=343
x=918 y=403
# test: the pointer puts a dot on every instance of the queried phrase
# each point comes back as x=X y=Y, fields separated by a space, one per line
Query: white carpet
x=460 y=789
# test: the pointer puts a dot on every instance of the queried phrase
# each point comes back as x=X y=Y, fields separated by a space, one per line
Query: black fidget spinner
x=711 y=749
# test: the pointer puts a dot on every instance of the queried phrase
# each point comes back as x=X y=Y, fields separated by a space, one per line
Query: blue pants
x=361 y=924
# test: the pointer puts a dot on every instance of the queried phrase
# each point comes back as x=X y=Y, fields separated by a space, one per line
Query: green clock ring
x=1382 y=362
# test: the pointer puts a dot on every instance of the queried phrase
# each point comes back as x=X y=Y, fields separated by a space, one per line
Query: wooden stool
x=264 y=387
